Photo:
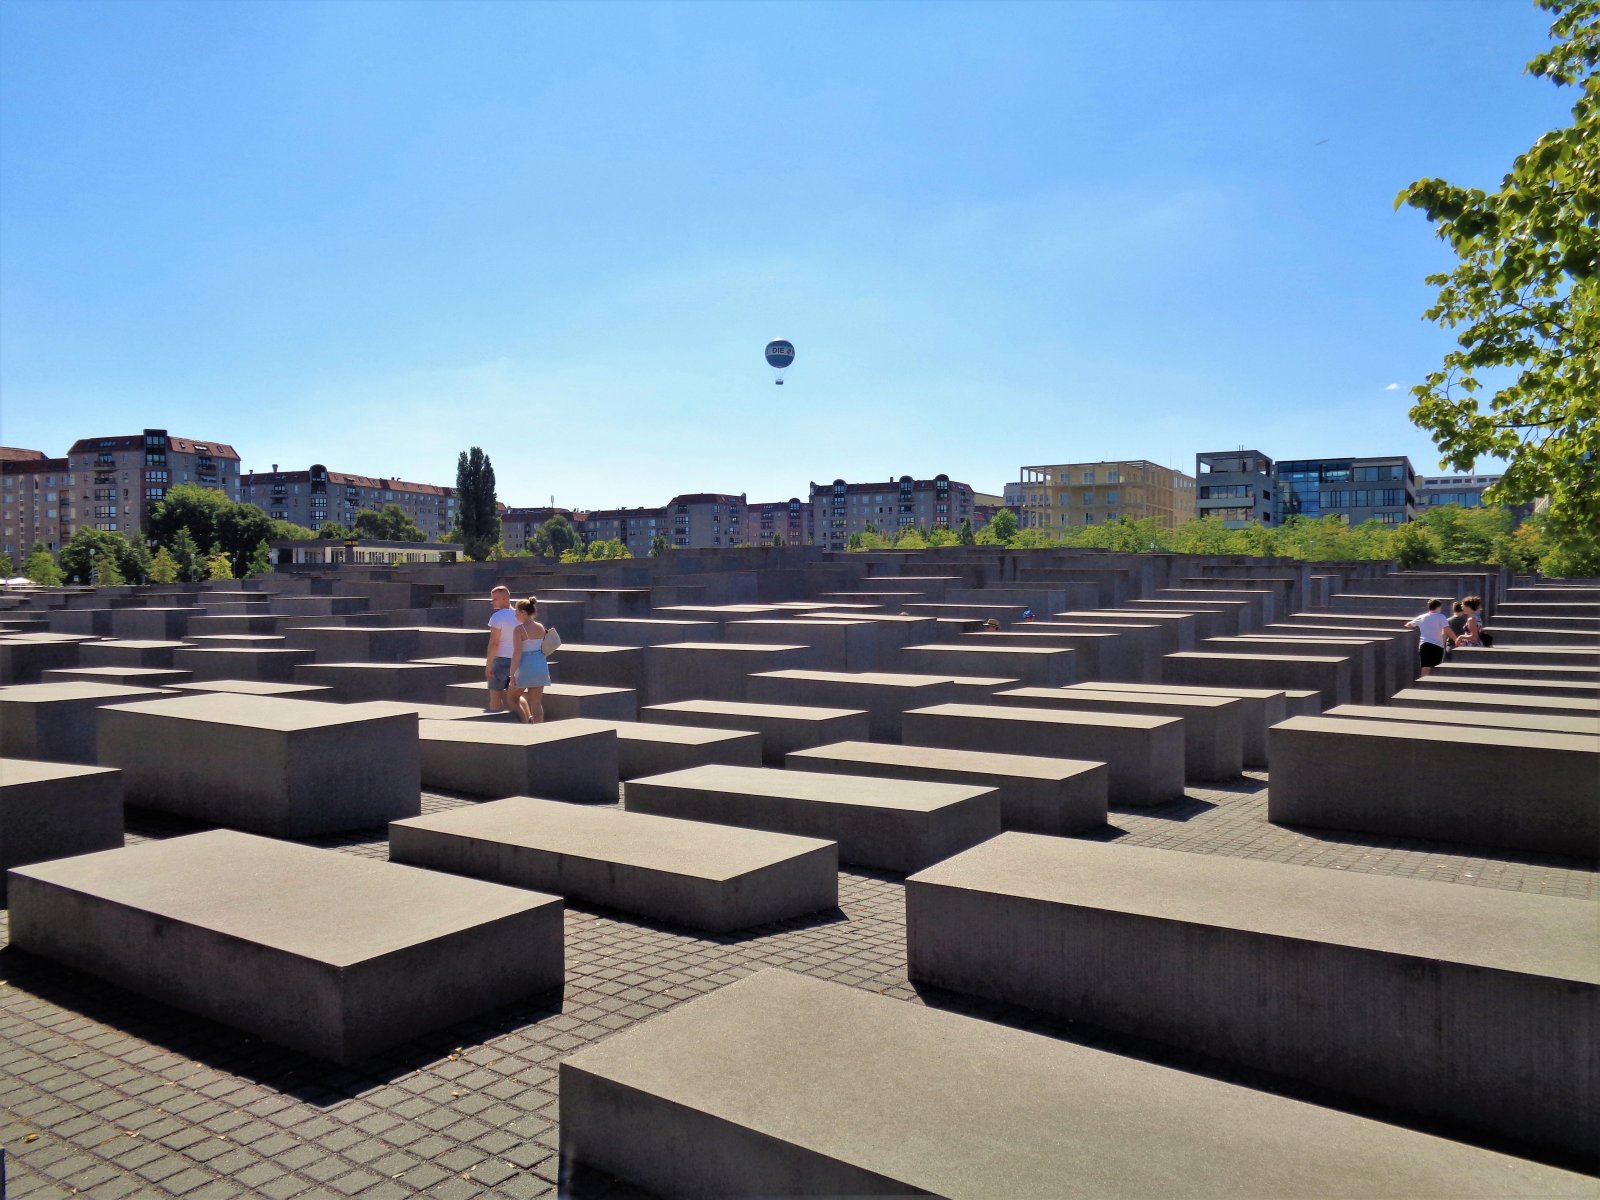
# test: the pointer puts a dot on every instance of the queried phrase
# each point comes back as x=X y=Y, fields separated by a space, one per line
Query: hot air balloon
x=780 y=353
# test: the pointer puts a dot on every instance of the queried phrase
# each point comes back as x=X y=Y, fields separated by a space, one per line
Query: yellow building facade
x=1065 y=495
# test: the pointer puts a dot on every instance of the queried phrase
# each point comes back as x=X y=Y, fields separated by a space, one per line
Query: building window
x=1088 y=477
x=1111 y=497
x=1088 y=498
x=1113 y=477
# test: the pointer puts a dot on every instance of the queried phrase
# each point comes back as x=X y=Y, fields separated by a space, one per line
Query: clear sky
x=373 y=234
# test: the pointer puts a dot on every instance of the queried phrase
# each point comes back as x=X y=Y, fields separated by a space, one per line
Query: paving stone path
x=108 y=1095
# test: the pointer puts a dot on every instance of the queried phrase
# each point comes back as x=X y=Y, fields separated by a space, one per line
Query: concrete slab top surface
x=1547 y=722
x=246 y=650
x=974 y=648
x=1283 y=658
x=1091 y=695
x=423 y=712
x=45 y=639
x=27 y=770
x=508 y=733
x=375 y=666
x=141 y=644
x=954 y=1106
x=731 y=647
x=281 y=895
x=51 y=693
x=118 y=673
x=859 y=790
x=280 y=714
x=249 y=687
x=1510 y=739
x=975 y=680
x=1021 y=766
x=677 y=735
x=633 y=839
x=876 y=678
x=1509 y=931
x=1454 y=698
x=1045 y=716
x=742 y=708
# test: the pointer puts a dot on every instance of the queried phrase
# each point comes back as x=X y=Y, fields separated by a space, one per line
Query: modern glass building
x=1358 y=489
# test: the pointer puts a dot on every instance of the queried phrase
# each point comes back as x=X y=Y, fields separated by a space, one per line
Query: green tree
x=556 y=536
x=910 y=538
x=191 y=567
x=607 y=548
x=942 y=537
x=40 y=567
x=477 y=514
x=210 y=518
x=332 y=531
x=659 y=545
x=1525 y=300
x=218 y=567
x=163 y=567
x=391 y=523
x=964 y=535
x=102 y=555
x=7 y=567
x=777 y=539
x=260 y=561
x=1003 y=526
x=1412 y=546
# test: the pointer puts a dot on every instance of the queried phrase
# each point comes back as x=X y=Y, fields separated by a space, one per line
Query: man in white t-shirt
x=1433 y=634
x=502 y=646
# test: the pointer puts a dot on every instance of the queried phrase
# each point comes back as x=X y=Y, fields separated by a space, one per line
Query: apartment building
x=698 y=520
x=840 y=509
x=317 y=496
x=1465 y=490
x=1382 y=488
x=35 y=491
x=635 y=528
x=1235 y=487
x=518 y=525
x=792 y=519
x=1062 y=495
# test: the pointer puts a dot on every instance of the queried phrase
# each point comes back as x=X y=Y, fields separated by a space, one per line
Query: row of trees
x=1444 y=534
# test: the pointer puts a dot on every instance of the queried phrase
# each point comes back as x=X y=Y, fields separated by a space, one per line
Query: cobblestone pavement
x=108 y=1095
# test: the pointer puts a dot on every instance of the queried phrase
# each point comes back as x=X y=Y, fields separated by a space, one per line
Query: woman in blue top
x=533 y=671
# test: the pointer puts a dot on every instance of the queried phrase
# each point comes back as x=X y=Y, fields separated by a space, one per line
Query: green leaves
x=1524 y=299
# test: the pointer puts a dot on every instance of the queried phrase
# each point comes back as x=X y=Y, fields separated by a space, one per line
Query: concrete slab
x=255 y=687
x=237 y=929
x=58 y=721
x=1144 y=754
x=1062 y=796
x=1496 y=700
x=128 y=653
x=884 y=696
x=352 y=682
x=1470 y=718
x=285 y=768
x=838 y=644
x=1034 y=667
x=24 y=657
x=1500 y=788
x=572 y=760
x=784 y=728
x=711 y=877
x=55 y=810
x=890 y=824
x=599 y=666
x=652 y=748
x=783 y=1085
x=1328 y=675
x=1474 y=1005
x=1482 y=681
x=1213 y=726
x=562 y=701
x=649 y=631
x=713 y=670
x=145 y=677
x=242 y=662
x=355 y=643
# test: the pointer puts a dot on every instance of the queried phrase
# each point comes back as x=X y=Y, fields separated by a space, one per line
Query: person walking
x=1475 y=630
x=1433 y=635
x=533 y=669
x=502 y=631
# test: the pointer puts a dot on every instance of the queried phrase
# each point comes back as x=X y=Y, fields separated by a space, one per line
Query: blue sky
x=372 y=234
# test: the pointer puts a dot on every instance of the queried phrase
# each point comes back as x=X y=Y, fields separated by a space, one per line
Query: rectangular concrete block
x=441 y=641
x=891 y=824
x=352 y=682
x=145 y=677
x=58 y=721
x=1213 y=726
x=599 y=666
x=1475 y=1005
x=784 y=728
x=242 y=662
x=1062 y=796
x=24 y=657
x=780 y=1085
x=354 y=643
x=1034 y=667
x=1144 y=754
x=711 y=877
x=1505 y=789
x=329 y=954
x=572 y=760
x=1469 y=718
x=649 y=631
x=54 y=810
x=1328 y=675
x=129 y=653
x=836 y=645
x=153 y=623
x=883 y=695
x=1498 y=701
x=713 y=670
x=255 y=687
x=285 y=768
x=651 y=748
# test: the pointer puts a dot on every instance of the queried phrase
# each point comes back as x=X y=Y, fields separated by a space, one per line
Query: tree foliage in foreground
x=1523 y=303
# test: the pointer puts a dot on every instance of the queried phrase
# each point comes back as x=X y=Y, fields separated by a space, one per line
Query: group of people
x=516 y=668
x=1438 y=634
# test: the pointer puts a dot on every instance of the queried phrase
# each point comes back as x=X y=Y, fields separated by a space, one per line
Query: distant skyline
x=374 y=234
